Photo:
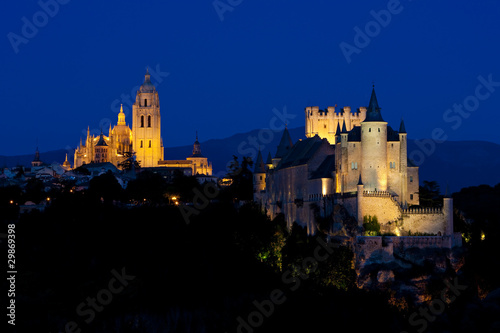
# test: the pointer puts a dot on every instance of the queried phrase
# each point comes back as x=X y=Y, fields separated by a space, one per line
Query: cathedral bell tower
x=146 y=125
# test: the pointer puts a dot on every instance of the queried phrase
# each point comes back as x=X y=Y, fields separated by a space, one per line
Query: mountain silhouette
x=454 y=164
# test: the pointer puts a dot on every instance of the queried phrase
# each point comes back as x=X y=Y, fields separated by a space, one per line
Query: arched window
x=369 y=130
x=149 y=121
x=142 y=121
x=145 y=102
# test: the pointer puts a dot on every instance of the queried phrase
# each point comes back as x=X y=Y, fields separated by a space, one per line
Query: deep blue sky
x=227 y=76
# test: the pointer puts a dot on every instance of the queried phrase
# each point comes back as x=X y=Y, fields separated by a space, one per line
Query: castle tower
x=259 y=174
x=374 y=148
x=146 y=125
x=344 y=158
x=320 y=122
x=403 y=163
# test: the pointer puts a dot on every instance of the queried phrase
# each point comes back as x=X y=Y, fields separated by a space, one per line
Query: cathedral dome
x=147 y=86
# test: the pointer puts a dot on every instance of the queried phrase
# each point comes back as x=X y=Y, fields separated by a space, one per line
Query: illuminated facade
x=362 y=165
x=146 y=125
x=144 y=139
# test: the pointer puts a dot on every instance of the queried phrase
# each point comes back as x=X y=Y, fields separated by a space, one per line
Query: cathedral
x=353 y=159
x=144 y=139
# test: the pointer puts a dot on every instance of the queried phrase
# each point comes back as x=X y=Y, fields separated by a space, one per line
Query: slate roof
x=301 y=152
x=285 y=144
x=402 y=128
x=325 y=169
x=269 y=159
x=259 y=164
x=373 y=110
x=354 y=135
x=101 y=141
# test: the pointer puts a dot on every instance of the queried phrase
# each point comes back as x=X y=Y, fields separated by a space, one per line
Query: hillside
x=457 y=164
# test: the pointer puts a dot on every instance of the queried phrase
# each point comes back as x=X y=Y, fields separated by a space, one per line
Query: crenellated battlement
x=336 y=113
x=423 y=210
x=377 y=194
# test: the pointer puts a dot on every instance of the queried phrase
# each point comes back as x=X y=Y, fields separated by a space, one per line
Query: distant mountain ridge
x=454 y=164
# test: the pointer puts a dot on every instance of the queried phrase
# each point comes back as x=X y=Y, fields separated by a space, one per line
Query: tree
x=34 y=190
x=242 y=177
x=106 y=187
x=129 y=161
x=371 y=225
x=148 y=185
x=429 y=194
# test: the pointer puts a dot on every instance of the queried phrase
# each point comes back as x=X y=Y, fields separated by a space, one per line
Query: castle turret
x=374 y=147
x=403 y=163
x=269 y=161
x=259 y=174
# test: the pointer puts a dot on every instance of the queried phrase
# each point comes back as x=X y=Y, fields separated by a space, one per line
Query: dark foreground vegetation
x=229 y=269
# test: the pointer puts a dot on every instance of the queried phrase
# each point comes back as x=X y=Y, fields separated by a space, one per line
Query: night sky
x=224 y=72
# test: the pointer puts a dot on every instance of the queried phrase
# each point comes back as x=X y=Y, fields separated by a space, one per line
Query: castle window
x=369 y=130
x=141 y=143
x=149 y=143
x=149 y=121
x=411 y=196
x=142 y=121
x=145 y=102
x=324 y=126
x=260 y=177
x=354 y=145
x=392 y=145
x=411 y=179
x=379 y=130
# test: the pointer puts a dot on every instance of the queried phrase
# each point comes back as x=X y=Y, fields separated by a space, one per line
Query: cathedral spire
x=196 y=148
